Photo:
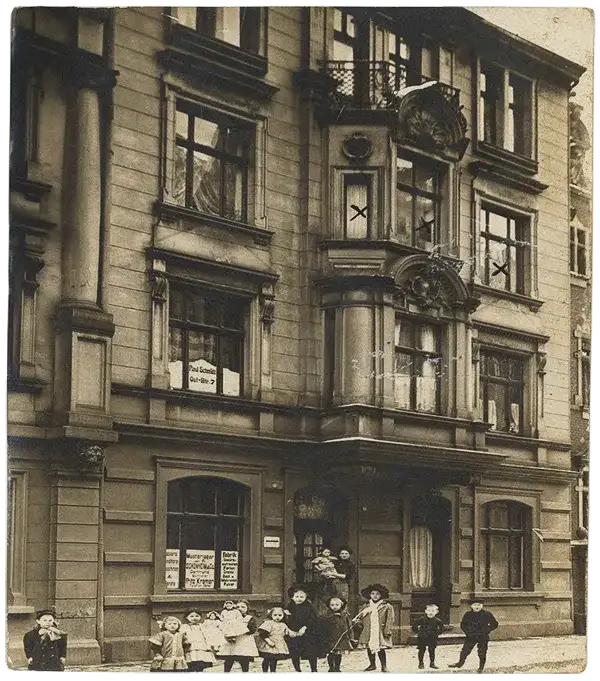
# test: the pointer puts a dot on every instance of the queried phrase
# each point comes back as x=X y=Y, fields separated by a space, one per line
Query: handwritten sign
x=229 y=569
x=172 y=568
x=199 y=569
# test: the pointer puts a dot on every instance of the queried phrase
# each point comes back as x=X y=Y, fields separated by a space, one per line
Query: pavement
x=557 y=654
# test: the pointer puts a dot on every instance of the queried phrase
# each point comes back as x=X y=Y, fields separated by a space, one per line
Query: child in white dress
x=272 y=645
x=199 y=647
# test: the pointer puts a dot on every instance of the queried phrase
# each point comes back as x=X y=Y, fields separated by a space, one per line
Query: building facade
x=310 y=265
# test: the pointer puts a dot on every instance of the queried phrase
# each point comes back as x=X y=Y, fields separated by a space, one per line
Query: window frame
x=485 y=379
x=578 y=246
x=582 y=355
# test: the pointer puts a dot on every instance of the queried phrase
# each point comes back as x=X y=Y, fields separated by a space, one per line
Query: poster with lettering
x=199 y=569
x=172 y=568
x=229 y=569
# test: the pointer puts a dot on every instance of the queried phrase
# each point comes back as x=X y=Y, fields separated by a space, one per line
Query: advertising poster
x=172 y=568
x=199 y=569
x=229 y=569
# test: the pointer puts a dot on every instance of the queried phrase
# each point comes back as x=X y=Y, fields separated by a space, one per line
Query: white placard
x=229 y=569
x=199 y=569
x=172 y=568
x=272 y=542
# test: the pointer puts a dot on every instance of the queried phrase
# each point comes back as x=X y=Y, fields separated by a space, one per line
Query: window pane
x=343 y=52
x=426 y=179
x=357 y=210
x=181 y=124
x=498 y=562
x=202 y=309
x=206 y=184
x=230 y=26
x=498 y=515
x=174 y=496
x=233 y=314
x=176 y=304
x=581 y=264
x=229 y=500
x=425 y=214
x=350 y=26
x=516 y=561
x=202 y=362
x=514 y=414
x=179 y=176
x=233 y=204
x=403 y=217
x=497 y=224
x=404 y=333
x=516 y=517
x=187 y=16
x=497 y=406
x=404 y=171
x=199 y=533
x=231 y=361
x=426 y=338
x=206 y=132
x=402 y=378
x=173 y=524
x=337 y=20
x=499 y=265
x=175 y=358
x=229 y=533
x=200 y=495
x=426 y=385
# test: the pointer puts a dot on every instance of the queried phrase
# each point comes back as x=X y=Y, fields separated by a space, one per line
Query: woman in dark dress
x=347 y=568
x=302 y=614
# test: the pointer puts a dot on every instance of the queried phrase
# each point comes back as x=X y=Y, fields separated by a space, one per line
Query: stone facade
x=255 y=288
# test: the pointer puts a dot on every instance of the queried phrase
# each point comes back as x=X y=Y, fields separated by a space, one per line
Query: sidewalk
x=563 y=654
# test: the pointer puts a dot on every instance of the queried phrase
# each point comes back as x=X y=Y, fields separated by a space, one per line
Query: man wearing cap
x=477 y=625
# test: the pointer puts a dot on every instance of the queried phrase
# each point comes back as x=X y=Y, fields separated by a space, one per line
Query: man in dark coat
x=302 y=614
x=45 y=645
x=477 y=625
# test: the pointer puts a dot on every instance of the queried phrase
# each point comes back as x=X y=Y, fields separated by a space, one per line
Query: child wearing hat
x=338 y=632
x=45 y=645
x=377 y=620
x=477 y=624
x=427 y=629
x=169 y=647
x=303 y=615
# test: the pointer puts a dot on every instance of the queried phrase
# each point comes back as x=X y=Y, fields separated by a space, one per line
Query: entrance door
x=430 y=540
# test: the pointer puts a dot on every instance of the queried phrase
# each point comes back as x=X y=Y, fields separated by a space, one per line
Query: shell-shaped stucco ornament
x=426 y=130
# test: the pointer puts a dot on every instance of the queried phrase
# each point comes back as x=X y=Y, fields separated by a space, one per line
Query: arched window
x=205 y=527
x=505 y=558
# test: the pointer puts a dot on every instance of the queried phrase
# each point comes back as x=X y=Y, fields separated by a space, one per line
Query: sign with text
x=199 y=569
x=229 y=569
x=271 y=542
x=172 y=568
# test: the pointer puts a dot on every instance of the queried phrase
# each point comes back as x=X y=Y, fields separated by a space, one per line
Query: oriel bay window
x=205 y=532
x=418 y=203
x=505 y=546
x=212 y=155
x=417 y=365
x=501 y=390
x=206 y=341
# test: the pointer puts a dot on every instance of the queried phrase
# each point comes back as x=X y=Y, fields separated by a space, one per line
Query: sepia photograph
x=299 y=339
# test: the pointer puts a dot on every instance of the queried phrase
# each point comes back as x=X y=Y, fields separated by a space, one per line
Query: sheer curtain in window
x=421 y=556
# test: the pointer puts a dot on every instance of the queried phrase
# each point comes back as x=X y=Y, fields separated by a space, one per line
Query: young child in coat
x=199 y=648
x=271 y=642
x=337 y=631
x=241 y=647
x=168 y=647
x=377 y=620
x=477 y=624
x=427 y=629
x=302 y=615
x=45 y=645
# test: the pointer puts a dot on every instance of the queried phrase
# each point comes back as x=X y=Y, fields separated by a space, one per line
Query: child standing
x=198 y=649
x=337 y=629
x=272 y=645
x=377 y=620
x=168 y=647
x=302 y=615
x=477 y=625
x=242 y=647
x=45 y=645
x=428 y=629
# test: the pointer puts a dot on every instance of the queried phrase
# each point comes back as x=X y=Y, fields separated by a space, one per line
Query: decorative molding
x=159 y=284
x=504 y=161
x=128 y=558
x=271 y=560
x=533 y=304
x=129 y=475
x=507 y=176
x=84 y=70
x=538 y=338
x=134 y=517
x=357 y=146
x=267 y=309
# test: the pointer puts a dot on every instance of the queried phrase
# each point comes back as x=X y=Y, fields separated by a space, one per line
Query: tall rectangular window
x=212 y=156
x=417 y=365
x=418 y=203
x=579 y=250
x=501 y=390
x=206 y=341
x=503 y=249
x=357 y=206
x=344 y=35
x=238 y=26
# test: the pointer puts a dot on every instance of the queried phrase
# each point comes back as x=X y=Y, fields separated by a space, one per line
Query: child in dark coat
x=45 y=645
x=428 y=629
x=301 y=614
x=477 y=625
x=337 y=631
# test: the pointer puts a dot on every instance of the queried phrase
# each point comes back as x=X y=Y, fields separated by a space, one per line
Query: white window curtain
x=421 y=556
x=514 y=418
x=492 y=417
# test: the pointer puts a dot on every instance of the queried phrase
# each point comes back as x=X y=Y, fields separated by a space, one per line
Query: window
x=583 y=492
x=503 y=249
x=403 y=58
x=206 y=341
x=506 y=545
x=418 y=203
x=344 y=35
x=583 y=355
x=238 y=26
x=579 y=249
x=505 y=110
x=205 y=528
x=417 y=366
x=17 y=507
x=212 y=155
x=501 y=390
x=357 y=204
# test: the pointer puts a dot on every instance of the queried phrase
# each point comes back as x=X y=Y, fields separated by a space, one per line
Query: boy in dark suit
x=45 y=645
x=427 y=629
x=477 y=625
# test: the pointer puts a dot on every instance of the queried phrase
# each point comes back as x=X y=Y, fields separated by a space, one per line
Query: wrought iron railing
x=363 y=84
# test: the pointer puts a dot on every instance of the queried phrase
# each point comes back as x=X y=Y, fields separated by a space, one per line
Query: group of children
x=295 y=632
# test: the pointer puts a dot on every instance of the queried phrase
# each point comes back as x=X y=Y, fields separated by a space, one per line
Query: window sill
x=524 y=440
x=532 y=303
x=31 y=190
x=209 y=597
x=581 y=280
x=33 y=386
x=503 y=157
x=171 y=212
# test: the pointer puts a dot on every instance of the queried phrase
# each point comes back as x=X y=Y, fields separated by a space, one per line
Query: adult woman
x=347 y=568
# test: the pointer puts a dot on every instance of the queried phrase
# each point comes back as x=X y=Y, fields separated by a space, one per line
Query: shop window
x=238 y=26
x=417 y=366
x=418 y=203
x=504 y=249
x=505 y=110
x=506 y=551
x=207 y=334
x=501 y=390
x=205 y=533
x=211 y=163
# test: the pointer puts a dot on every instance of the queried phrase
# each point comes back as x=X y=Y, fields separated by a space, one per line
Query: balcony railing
x=363 y=84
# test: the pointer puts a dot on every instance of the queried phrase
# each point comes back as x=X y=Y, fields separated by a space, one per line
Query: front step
x=450 y=636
